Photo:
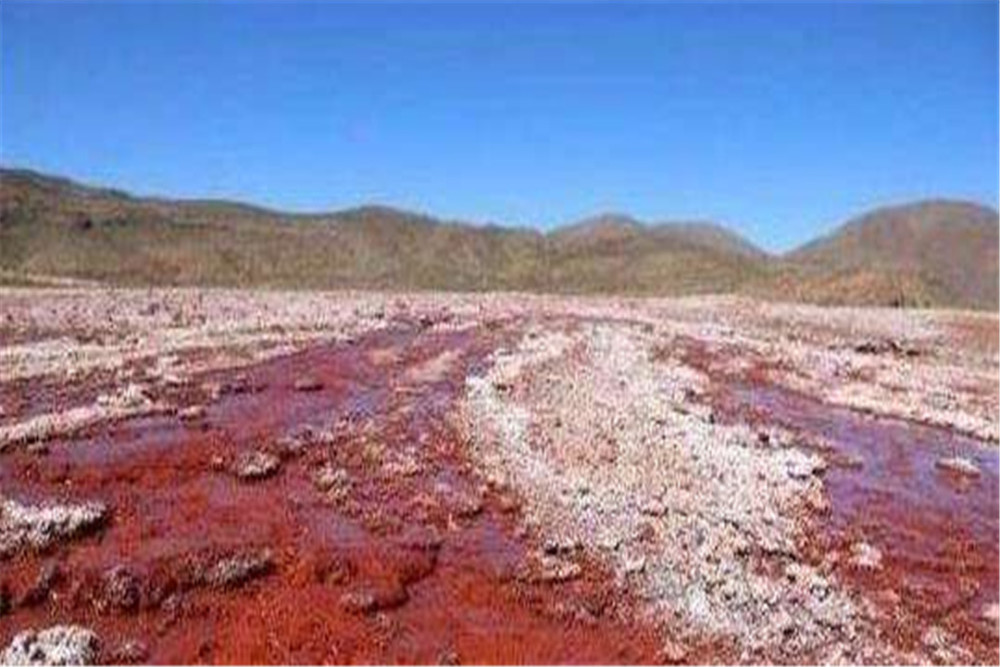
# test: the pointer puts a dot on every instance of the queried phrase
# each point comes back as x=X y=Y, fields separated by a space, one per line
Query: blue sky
x=778 y=119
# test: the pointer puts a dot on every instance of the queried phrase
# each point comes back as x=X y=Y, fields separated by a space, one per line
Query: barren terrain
x=54 y=231
x=205 y=475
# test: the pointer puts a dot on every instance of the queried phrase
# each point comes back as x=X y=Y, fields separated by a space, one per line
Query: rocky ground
x=224 y=476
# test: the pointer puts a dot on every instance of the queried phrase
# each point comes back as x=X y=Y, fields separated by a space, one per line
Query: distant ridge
x=935 y=253
x=930 y=252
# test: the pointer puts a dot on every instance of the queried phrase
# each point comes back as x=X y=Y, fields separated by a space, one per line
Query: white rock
x=960 y=465
x=37 y=527
x=634 y=565
x=58 y=645
x=865 y=556
x=991 y=613
x=191 y=413
x=256 y=465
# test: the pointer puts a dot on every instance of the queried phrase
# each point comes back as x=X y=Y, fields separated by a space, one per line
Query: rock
x=172 y=606
x=803 y=467
x=192 y=413
x=673 y=652
x=887 y=346
x=935 y=637
x=308 y=383
x=991 y=614
x=563 y=545
x=121 y=589
x=871 y=347
x=295 y=444
x=237 y=570
x=449 y=657
x=131 y=396
x=172 y=380
x=634 y=565
x=610 y=542
x=329 y=478
x=505 y=387
x=131 y=652
x=255 y=465
x=37 y=448
x=241 y=384
x=959 y=465
x=554 y=570
x=368 y=600
x=654 y=508
x=848 y=460
x=213 y=390
x=864 y=556
x=39 y=526
x=57 y=645
x=468 y=506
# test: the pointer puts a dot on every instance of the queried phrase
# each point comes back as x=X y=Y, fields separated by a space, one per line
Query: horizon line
x=480 y=223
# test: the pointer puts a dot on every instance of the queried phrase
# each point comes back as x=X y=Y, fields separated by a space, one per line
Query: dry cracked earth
x=191 y=476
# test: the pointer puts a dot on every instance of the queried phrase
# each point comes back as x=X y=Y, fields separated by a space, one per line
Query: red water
x=939 y=532
x=433 y=556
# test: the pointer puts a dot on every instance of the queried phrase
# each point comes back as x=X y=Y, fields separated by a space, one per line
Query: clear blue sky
x=777 y=119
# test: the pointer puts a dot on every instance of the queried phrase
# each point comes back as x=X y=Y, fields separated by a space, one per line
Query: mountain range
x=929 y=253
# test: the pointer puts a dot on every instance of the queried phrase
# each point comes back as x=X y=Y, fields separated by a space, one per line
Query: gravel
x=256 y=465
x=57 y=645
x=237 y=570
x=39 y=526
x=583 y=424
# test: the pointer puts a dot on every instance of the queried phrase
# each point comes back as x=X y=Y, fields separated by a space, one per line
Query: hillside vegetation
x=934 y=253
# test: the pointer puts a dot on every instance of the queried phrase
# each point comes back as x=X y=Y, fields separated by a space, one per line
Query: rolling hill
x=924 y=253
x=55 y=227
x=933 y=253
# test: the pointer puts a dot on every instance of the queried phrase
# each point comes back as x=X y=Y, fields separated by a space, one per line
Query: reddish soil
x=418 y=563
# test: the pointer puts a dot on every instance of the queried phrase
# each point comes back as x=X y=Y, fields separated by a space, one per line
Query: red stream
x=423 y=565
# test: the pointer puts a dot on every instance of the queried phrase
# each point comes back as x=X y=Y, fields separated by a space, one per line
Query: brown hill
x=925 y=253
x=55 y=227
x=616 y=253
x=934 y=253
